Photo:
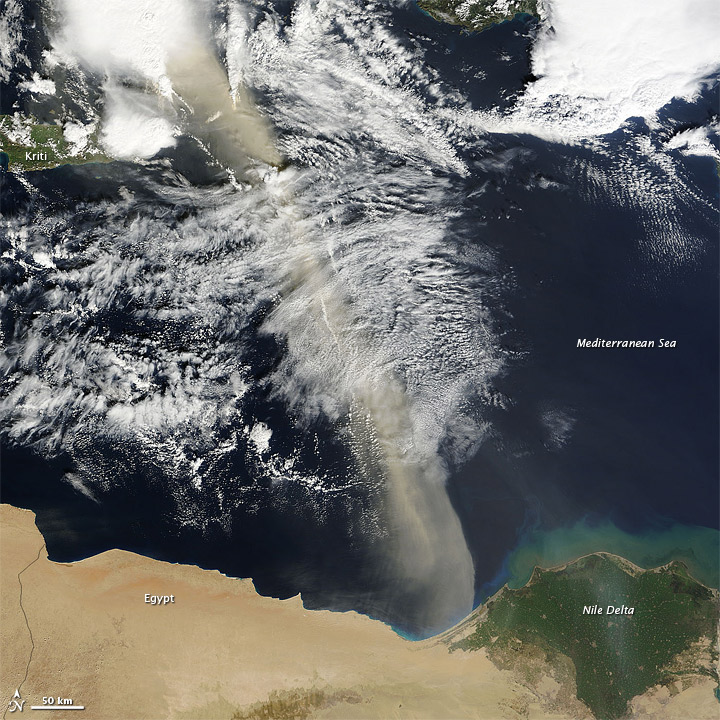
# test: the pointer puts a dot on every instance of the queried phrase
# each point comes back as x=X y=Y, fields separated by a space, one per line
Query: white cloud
x=260 y=437
x=133 y=126
x=11 y=33
x=604 y=62
x=38 y=85
x=130 y=36
x=128 y=40
x=78 y=136
x=695 y=142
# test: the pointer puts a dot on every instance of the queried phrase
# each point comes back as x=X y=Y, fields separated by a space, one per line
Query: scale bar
x=57 y=707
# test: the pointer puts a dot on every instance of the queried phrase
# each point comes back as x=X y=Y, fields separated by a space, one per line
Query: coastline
x=695 y=546
x=218 y=649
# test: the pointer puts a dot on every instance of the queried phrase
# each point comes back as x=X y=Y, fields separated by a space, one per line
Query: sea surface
x=583 y=449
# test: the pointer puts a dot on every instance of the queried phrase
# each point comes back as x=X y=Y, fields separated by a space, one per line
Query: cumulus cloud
x=11 y=36
x=134 y=125
x=163 y=49
x=130 y=40
x=696 y=141
x=38 y=85
x=126 y=36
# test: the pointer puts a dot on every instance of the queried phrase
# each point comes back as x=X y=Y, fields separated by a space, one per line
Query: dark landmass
x=480 y=14
x=669 y=640
x=47 y=148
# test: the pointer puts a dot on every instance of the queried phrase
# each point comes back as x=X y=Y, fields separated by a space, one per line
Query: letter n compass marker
x=16 y=703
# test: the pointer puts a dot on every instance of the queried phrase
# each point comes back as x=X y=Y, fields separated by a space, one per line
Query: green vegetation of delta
x=477 y=15
x=671 y=636
x=44 y=139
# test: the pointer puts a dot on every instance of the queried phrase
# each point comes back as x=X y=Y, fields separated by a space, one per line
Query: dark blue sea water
x=589 y=436
x=642 y=452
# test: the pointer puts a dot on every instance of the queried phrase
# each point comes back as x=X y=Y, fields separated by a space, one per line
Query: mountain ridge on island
x=478 y=15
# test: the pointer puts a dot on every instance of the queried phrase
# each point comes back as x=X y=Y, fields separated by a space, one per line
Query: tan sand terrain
x=84 y=631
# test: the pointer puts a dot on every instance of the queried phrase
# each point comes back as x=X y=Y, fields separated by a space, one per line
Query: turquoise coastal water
x=697 y=547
